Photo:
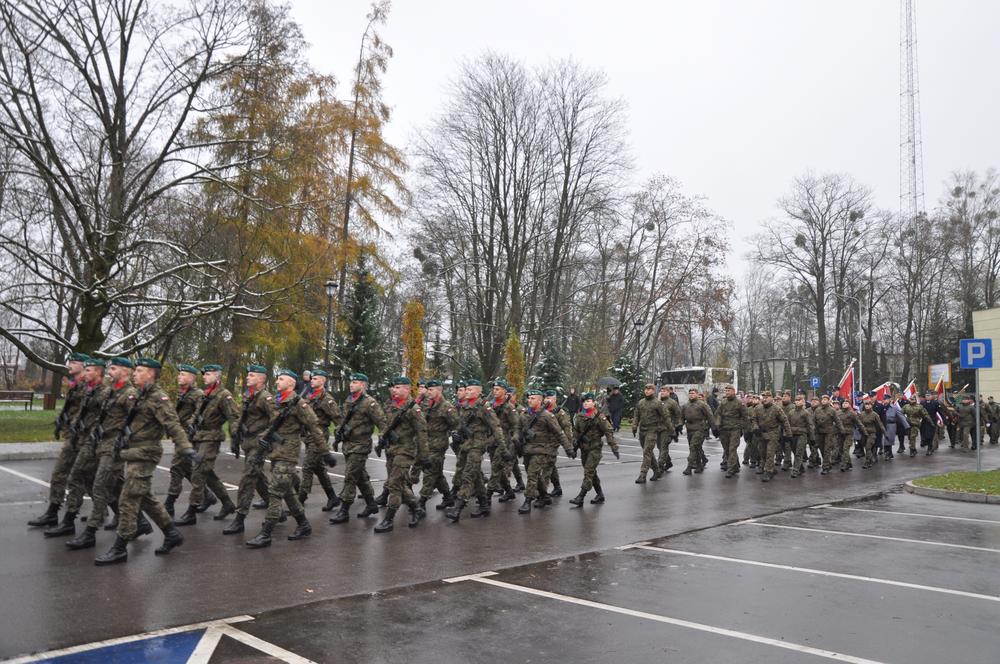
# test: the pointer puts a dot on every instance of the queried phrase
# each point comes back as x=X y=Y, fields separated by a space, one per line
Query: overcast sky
x=734 y=98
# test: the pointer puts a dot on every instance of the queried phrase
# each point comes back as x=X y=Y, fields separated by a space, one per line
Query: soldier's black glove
x=234 y=447
x=379 y=447
x=617 y=454
x=427 y=464
x=571 y=454
x=507 y=456
x=330 y=460
x=189 y=453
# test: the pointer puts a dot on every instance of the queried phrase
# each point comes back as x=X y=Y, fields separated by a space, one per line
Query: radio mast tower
x=911 y=153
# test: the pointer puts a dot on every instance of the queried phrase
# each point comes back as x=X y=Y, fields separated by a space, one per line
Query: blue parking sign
x=814 y=381
x=975 y=353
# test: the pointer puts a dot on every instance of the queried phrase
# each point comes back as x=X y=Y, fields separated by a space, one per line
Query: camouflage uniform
x=849 y=420
x=543 y=436
x=442 y=418
x=829 y=430
x=215 y=408
x=651 y=418
x=502 y=457
x=298 y=425
x=698 y=418
x=734 y=419
x=81 y=477
x=327 y=413
x=258 y=411
x=787 y=449
x=483 y=427
x=967 y=425
x=566 y=422
x=181 y=466
x=802 y=429
x=770 y=421
x=591 y=429
x=367 y=416
x=408 y=445
x=915 y=414
x=676 y=422
x=108 y=477
x=871 y=424
x=58 y=481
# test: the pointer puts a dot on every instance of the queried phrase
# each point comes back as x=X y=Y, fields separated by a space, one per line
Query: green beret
x=122 y=362
x=320 y=372
x=78 y=357
x=94 y=362
x=359 y=376
x=550 y=393
x=256 y=368
x=433 y=383
x=473 y=382
x=587 y=395
x=461 y=383
x=500 y=382
x=187 y=368
x=148 y=362
x=400 y=380
x=212 y=367
x=533 y=393
x=287 y=372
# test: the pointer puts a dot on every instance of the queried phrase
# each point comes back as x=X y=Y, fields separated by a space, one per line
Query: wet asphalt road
x=62 y=599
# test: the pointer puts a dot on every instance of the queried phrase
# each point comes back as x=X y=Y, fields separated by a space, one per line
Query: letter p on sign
x=976 y=353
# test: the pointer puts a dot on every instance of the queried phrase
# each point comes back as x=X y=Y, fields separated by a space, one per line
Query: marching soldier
x=915 y=414
x=815 y=446
x=478 y=427
x=404 y=440
x=292 y=424
x=769 y=420
x=849 y=420
x=786 y=450
x=751 y=452
x=993 y=417
x=327 y=412
x=214 y=409
x=541 y=436
x=871 y=424
x=698 y=419
x=566 y=422
x=442 y=418
x=734 y=419
x=590 y=429
x=672 y=429
x=967 y=423
x=59 y=479
x=188 y=396
x=362 y=415
x=150 y=417
x=255 y=417
x=829 y=431
x=502 y=457
x=651 y=420
x=802 y=429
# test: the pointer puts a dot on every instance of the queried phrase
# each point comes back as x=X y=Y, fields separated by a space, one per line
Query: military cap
x=587 y=396
x=256 y=368
x=212 y=367
x=650 y=385
x=433 y=382
x=550 y=393
x=122 y=362
x=533 y=393
x=500 y=382
x=400 y=380
x=473 y=382
x=287 y=372
x=320 y=372
x=461 y=383
x=78 y=357
x=94 y=362
x=766 y=393
x=359 y=376
x=149 y=363
x=186 y=368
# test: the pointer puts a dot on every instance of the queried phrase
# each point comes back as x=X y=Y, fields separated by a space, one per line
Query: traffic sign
x=814 y=381
x=976 y=353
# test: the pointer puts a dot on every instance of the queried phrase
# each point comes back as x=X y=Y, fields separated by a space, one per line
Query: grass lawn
x=32 y=426
x=987 y=482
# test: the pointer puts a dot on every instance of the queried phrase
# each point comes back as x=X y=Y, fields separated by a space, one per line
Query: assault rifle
x=242 y=430
x=271 y=436
x=526 y=433
x=125 y=435
x=343 y=429
x=389 y=436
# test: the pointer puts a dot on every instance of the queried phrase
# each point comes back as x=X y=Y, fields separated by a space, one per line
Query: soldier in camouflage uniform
x=787 y=449
x=803 y=429
x=478 y=427
x=405 y=442
x=671 y=431
x=442 y=418
x=829 y=431
x=733 y=419
x=256 y=415
x=967 y=423
x=150 y=417
x=769 y=420
x=327 y=412
x=849 y=420
x=502 y=456
x=362 y=415
x=108 y=476
x=815 y=446
x=540 y=438
x=292 y=424
x=993 y=418
x=871 y=424
x=751 y=452
x=566 y=422
x=915 y=414
x=59 y=478
x=651 y=421
x=698 y=419
x=216 y=407
x=590 y=429
x=188 y=396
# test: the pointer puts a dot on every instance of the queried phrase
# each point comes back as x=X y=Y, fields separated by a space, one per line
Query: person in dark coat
x=616 y=405
x=572 y=403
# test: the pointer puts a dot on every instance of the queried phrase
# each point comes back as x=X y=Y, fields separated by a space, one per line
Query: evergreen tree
x=360 y=346
x=436 y=364
x=787 y=380
x=551 y=371
x=764 y=378
x=626 y=370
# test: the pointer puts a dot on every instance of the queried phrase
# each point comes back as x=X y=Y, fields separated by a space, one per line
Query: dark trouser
x=434 y=477
x=137 y=496
x=107 y=486
x=731 y=448
x=252 y=478
x=471 y=482
x=315 y=466
x=616 y=419
x=180 y=470
x=281 y=487
x=81 y=478
x=356 y=478
x=203 y=476
x=59 y=479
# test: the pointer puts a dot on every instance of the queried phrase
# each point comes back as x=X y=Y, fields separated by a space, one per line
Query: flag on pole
x=845 y=388
x=911 y=391
x=883 y=390
x=939 y=387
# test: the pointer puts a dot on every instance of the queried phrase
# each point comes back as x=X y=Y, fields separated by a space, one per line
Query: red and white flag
x=939 y=387
x=911 y=391
x=845 y=388
x=883 y=390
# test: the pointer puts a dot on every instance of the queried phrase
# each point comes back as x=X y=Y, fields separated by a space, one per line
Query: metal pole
x=329 y=316
x=978 y=441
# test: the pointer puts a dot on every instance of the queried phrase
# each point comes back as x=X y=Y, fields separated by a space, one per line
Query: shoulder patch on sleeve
x=230 y=397
x=164 y=398
x=270 y=398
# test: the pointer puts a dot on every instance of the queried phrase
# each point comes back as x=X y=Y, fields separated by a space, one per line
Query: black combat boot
x=900 y=450
x=66 y=527
x=825 y=471
x=796 y=472
x=913 y=452
x=235 y=526
x=332 y=500
x=383 y=498
x=687 y=471
x=302 y=497
x=642 y=478
x=656 y=474
x=507 y=495
x=420 y=510
x=888 y=454
x=525 y=507
x=189 y=518
x=598 y=499
x=723 y=466
x=556 y=490
x=85 y=540
x=729 y=473
x=766 y=477
x=168 y=504
x=578 y=501
x=342 y=515
x=486 y=505
x=371 y=508
x=477 y=511
x=447 y=500
x=172 y=539
x=385 y=525
x=207 y=502
x=304 y=528
x=455 y=511
x=263 y=538
x=700 y=468
x=118 y=553
x=416 y=514
x=49 y=517
x=260 y=504
x=227 y=508
x=143 y=526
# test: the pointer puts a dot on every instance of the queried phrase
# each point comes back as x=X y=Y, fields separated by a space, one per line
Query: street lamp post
x=331 y=290
x=638 y=322
x=860 y=337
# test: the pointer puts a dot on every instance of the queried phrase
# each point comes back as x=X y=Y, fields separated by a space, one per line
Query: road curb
x=962 y=496
x=45 y=450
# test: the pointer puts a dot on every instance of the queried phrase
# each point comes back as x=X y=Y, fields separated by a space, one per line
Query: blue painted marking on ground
x=170 y=649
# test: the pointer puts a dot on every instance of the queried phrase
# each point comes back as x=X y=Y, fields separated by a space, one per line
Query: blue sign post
x=814 y=382
x=976 y=354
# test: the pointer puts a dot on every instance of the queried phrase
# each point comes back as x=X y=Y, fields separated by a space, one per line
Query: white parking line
x=230 y=487
x=819 y=572
x=701 y=627
x=929 y=516
x=25 y=477
x=751 y=522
